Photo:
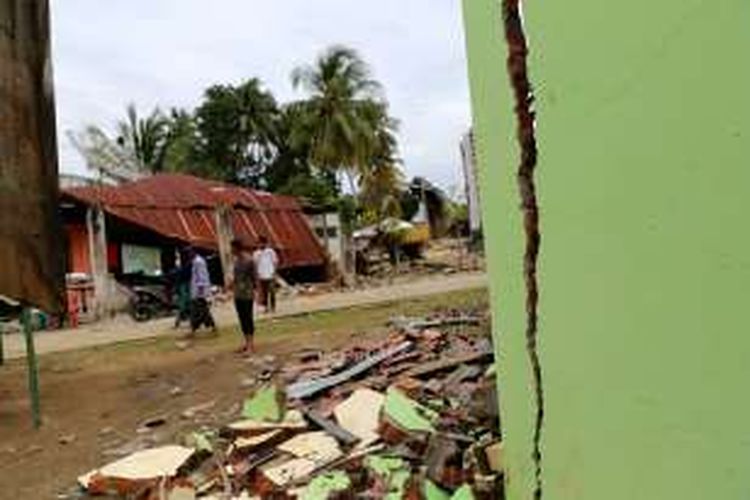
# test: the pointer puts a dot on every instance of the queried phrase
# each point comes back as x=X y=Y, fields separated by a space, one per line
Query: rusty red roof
x=182 y=207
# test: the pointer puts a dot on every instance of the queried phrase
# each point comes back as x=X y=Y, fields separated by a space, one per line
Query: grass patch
x=269 y=331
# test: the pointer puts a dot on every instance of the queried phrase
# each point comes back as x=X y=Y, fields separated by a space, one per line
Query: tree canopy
x=340 y=129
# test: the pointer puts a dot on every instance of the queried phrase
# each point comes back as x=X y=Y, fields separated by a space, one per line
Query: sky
x=166 y=52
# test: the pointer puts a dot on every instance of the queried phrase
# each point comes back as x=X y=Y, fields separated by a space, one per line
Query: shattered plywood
x=318 y=447
x=293 y=420
x=360 y=414
x=247 y=444
x=143 y=465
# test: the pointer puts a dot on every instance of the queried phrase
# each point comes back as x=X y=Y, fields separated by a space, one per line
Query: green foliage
x=341 y=129
x=237 y=127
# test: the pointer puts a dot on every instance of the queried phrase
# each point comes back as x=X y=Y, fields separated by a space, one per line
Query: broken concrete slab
x=407 y=413
x=266 y=405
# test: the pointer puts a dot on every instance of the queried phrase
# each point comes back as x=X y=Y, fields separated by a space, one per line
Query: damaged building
x=138 y=227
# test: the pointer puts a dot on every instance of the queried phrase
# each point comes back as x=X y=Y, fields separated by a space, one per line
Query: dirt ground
x=95 y=400
x=122 y=328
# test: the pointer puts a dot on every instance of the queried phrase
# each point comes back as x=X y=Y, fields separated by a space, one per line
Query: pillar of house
x=97 y=235
x=224 y=236
x=631 y=383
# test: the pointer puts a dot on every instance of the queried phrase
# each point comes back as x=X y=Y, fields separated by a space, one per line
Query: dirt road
x=122 y=329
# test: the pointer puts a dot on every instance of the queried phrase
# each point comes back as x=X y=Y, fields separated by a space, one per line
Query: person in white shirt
x=266 y=265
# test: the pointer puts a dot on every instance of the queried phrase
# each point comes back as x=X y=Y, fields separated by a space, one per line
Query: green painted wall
x=643 y=128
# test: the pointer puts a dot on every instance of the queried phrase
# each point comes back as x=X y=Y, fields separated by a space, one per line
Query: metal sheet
x=30 y=256
x=183 y=207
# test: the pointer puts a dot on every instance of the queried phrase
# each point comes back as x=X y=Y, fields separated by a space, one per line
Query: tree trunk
x=30 y=234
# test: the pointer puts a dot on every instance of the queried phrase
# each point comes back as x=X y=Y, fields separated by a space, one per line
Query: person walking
x=266 y=264
x=181 y=279
x=200 y=291
x=243 y=288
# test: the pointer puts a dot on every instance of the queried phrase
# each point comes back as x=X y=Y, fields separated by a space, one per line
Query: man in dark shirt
x=243 y=287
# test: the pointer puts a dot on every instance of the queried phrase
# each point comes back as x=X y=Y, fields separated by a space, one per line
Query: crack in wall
x=524 y=99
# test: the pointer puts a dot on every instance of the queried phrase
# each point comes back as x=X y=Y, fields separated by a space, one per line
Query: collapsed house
x=409 y=415
x=138 y=227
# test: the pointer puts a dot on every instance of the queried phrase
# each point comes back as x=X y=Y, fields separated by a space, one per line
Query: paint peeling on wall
x=524 y=99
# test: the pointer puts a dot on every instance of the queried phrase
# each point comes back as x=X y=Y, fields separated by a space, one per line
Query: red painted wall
x=78 y=249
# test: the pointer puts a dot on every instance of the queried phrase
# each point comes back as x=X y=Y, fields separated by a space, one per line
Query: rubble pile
x=413 y=416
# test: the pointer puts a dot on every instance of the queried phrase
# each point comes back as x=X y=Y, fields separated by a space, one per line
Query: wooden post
x=32 y=368
x=97 y=233
x=224 y=236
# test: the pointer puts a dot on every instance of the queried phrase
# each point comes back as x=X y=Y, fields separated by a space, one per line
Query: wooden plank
x=339 y=433
x=446 y=364
x=307 y=388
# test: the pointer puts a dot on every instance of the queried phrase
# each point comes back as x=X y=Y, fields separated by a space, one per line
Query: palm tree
x=146 y=137
x=381 y=178
x=340 y=88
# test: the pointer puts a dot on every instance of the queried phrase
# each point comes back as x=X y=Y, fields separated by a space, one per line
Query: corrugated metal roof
x=183 y=207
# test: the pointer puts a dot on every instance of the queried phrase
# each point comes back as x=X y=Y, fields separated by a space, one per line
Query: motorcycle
x=151 y=297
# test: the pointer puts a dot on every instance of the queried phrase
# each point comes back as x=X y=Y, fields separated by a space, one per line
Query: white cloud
x=166 y=52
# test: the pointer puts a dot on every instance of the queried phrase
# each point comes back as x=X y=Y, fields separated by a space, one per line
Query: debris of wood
x=494 y=457
x=463 y=372
x=307 y=388
x=411 y=416
x=317 y=447
x=143 y=465
x=247 y=444
x=360 y=414
x=444 y=462
x=447 y=364
x=345 y=437
x=293 y=420
x=289 y=472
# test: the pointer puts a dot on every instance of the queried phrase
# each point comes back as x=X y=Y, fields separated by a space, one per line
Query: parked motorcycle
x=150 y=297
